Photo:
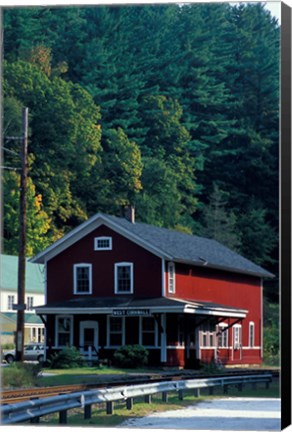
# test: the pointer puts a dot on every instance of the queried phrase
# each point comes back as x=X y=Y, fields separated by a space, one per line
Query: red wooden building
x=187 y=299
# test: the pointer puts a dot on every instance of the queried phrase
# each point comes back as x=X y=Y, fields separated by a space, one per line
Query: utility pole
x=22 y=239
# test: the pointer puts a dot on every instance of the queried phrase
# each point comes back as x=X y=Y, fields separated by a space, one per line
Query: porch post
x=163 y=349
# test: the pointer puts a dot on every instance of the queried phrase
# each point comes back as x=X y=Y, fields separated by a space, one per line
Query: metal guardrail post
x=147 y=399
x=181 y=395
x=34 y=420
x=164 y=396
x=87 y=412
x=63 y=417
x=62 y=414
x=110 y=407
x=129 y=403
x=225 y=389
x=197 y=392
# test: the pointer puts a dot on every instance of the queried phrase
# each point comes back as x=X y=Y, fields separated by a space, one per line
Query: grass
x=85 y=375
x=99 y=417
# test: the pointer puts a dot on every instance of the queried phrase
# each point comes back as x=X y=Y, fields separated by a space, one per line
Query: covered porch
x=172 y=330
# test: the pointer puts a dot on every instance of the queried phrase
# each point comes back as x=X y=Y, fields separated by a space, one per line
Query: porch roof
x=132 y=306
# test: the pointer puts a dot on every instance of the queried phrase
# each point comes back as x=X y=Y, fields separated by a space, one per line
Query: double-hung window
x=251 y=334
x=116 y=331
x=124 y=278
x=222 y=336
x=148 y=331
x=10 y=302
x=237 y=336
x=171 y=277
x=64 y=331
x=29 y=301
x=207 y=335
x=82 y=279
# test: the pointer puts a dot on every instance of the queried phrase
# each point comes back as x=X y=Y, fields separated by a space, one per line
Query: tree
x=122 y=170
x=38 y=231
x=65 y=138
x=220 y=224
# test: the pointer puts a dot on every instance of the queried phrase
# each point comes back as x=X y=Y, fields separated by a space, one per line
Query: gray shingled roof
x=188 y=248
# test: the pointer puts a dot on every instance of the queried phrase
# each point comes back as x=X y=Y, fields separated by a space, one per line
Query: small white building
x=34 y=296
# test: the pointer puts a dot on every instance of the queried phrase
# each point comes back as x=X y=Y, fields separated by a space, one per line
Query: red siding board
x=147 y=267
x=230 y=289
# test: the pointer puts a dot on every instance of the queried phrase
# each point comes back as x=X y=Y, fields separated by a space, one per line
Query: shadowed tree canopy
x=151 y=105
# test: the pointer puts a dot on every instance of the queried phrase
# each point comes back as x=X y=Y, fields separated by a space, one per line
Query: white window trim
x=222 y=325
x=29 y=303
x=251 y=324
x=237 y=326
x=76 y=266
x=10 y=302
x=57 y=345
x=171 y=290
x=207 y=333
x=155 y=333
x=108 y=332
x=123 y=264
x=96 y=239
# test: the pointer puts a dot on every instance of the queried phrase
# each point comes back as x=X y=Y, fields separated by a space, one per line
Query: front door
x=89 y=338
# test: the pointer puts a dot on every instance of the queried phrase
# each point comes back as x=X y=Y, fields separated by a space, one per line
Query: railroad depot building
x=113 y=281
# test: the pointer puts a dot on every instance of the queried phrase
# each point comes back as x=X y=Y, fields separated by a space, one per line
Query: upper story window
x=171 y=277
x=251 y=334
x=29 y=303
x=102 y=243
x=82 y=279
x=10 y=302
x=124 y=278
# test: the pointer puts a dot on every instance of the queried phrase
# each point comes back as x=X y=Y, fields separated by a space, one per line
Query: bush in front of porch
x=131 y=356
x=67 y=358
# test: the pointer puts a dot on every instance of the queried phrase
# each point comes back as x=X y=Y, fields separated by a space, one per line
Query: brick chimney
x=129 y=213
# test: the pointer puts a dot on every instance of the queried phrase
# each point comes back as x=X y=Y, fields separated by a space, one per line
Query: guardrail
x=34 y=409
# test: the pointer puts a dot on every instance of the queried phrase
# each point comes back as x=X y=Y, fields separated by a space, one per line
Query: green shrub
x=19 y=375
x=67 y=358
x=131 y=356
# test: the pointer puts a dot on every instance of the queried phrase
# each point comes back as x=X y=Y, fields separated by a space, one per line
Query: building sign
x=131 y=312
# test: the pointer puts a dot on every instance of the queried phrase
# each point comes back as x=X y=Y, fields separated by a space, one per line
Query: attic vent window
x=102 y=243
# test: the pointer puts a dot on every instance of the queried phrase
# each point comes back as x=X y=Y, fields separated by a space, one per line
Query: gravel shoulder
x=225 y=414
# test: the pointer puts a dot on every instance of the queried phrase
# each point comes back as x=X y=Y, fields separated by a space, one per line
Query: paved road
x=226 y=414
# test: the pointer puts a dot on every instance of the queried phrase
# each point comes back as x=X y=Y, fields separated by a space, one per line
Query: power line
x=10 y=168
x=10 y=151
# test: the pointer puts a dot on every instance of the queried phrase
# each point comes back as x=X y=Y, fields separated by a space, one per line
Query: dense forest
x=172 y=108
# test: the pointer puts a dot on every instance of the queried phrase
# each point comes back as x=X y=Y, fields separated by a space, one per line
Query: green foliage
x=131 y=356
x=38 y=222
x=67 y=358
x=271 y=334
x=219 y=225
x=20 y=375
x=151 y=105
